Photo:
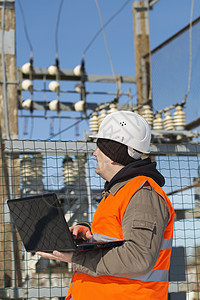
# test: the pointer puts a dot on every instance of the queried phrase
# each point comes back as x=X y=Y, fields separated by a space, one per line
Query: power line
x=69 y=127
x=25 y=28
x=105 y=39
x=190 y=54
x=32 y=127
x=3 y=62
x=57 y=26
x=106 y=23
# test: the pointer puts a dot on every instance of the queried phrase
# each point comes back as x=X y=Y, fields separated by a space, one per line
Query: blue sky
x=79 y=22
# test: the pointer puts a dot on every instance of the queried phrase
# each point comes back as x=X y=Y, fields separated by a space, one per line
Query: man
x=135 y=209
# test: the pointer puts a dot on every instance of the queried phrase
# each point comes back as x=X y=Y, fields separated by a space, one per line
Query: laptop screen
x=41 y=223
x=42 y=226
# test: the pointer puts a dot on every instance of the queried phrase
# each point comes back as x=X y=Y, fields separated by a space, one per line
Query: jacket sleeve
x=143 y=226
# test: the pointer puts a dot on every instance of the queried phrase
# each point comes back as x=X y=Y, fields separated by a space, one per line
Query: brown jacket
x=141 y=248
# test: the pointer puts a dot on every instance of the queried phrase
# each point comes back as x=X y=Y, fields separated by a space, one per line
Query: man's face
x=103 y=163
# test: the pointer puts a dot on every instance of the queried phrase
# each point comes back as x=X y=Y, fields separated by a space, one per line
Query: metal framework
x=83 y=147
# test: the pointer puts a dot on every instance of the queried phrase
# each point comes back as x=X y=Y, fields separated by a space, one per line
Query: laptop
x=42 y=226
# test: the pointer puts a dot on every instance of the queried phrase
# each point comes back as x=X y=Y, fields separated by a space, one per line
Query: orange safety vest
x=107 y=223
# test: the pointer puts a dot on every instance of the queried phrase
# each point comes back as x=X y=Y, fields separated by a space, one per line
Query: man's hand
x=81 y=232
x=78 y=232
x=57 y=255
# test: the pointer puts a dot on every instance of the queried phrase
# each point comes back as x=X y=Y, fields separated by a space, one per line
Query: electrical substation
x=67 y=167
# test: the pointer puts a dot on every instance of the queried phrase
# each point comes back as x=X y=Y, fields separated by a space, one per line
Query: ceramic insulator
x=52 y=70
x=148 y=114
x=27 y=85
x=179 y=118
x=101 y=116
x=158 y=122
x=113 y=108
x=168 y=121
x=93 y=123
x=68 y=173
x=54 y=86
x=26 y=68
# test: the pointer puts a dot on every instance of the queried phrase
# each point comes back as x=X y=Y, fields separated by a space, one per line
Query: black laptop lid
x=41 y=223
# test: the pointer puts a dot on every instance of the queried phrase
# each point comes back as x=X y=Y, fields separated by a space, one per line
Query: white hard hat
x=128 y=128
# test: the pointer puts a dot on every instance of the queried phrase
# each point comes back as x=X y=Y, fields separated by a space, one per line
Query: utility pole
x=10 y=247
x=142 y=52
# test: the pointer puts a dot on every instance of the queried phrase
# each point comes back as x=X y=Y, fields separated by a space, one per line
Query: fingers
x=80 y=231
x=71 y=228
x=46 y=255
x=88 y=235
x=57 y=255
x=75 y=231
x=63 y=256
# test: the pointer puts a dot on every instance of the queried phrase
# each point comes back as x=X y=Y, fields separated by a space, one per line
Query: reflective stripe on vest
x=166 y=244
x=157 y=275
x=102 y=238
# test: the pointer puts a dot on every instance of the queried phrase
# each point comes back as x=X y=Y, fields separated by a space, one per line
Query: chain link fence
x=68 y=169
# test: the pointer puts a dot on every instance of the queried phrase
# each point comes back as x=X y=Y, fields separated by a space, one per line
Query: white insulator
x=179 y=118
x=54 y=104
x=78 y=88
x=27 y=104
x=37 y=163
x=26 y=173
x=168 y=121
x=27 y=85
x=101 y=116
x=158 y=122
x=79 y=106
x=93 y=123
x=26 y=169
x=54 y=86
x=52 y=70
x=26 y=68
x=68 y=173
x=79 y=166
x=113 y=108
x=147 y=114
x=77 y=70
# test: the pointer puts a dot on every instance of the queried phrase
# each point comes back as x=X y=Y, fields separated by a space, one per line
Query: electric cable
x=60 y=128
x=10 y=162
x=105 y=39
x=69 y=127
x=150 y=83
x=4 y=72
x=106 y=23
x=47 y=117
x=57 y=26
x=25 y=28
x=32 y=127
x=190 y=55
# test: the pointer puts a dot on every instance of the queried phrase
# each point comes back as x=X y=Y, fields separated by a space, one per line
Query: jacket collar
x=141 y=167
